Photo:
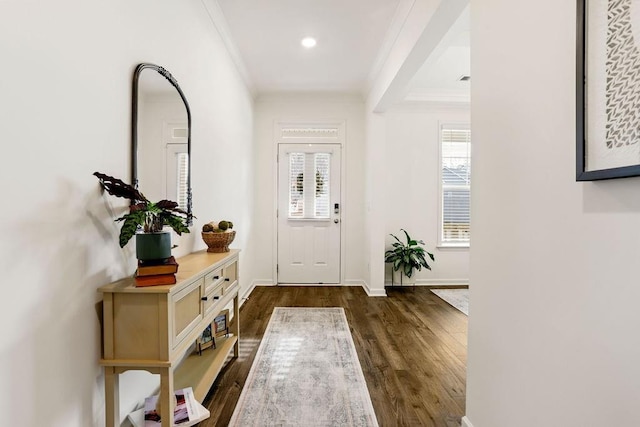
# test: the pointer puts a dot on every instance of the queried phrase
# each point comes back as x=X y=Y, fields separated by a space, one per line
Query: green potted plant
x=146 y=220
x=407 y=257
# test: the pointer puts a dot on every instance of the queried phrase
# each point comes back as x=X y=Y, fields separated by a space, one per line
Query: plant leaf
x=119 y=188
x=176 y=222
x=396 y=239
x=130 y=226
x=406 y=234
x=408 y=271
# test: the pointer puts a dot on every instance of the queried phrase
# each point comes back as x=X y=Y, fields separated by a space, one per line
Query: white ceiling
x=354 y=37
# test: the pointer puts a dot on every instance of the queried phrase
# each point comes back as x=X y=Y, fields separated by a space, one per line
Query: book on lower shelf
x=155 y=267
x=155 y=280
x=188 y=411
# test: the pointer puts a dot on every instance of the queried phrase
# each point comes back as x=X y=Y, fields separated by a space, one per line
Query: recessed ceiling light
x=308 y=42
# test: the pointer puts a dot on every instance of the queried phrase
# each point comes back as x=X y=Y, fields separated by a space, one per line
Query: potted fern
x=407 y=257
x=146 y=220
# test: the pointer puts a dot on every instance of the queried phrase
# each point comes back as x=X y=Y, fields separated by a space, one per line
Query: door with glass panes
x=309 y=213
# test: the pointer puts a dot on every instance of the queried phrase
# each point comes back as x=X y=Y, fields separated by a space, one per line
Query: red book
x=155 y=280
x=153 y=268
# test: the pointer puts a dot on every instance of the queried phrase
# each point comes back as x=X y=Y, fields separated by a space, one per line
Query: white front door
x=309 y=213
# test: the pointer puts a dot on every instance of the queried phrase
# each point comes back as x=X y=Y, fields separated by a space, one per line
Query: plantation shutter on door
x=296 y=185
x=322 y=175
x=309 y=183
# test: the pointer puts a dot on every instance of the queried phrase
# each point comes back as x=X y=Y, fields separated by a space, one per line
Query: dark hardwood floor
x=412 y=347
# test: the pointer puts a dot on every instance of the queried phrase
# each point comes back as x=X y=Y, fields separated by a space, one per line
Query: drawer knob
x=226 y=279
x=205 y=298
x=216 y=297
x=216 y=277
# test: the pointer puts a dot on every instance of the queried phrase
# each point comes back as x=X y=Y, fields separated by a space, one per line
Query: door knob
x=336 y=220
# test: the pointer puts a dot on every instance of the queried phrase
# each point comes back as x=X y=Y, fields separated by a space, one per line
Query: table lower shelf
x=200 y=371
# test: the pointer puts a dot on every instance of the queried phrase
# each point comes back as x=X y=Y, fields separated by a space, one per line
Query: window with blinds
x=309 y=179
x=455 y=156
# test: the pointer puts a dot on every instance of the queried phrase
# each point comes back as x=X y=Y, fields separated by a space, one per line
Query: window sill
x=452 y=246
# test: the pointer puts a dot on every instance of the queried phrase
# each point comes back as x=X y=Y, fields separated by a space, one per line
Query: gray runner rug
x=306 y=373
x=459 y=298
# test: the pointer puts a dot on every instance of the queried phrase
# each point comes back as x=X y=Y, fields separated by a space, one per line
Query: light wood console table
x=154 y=328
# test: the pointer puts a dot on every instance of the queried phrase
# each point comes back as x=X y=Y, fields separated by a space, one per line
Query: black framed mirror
x=161 y=137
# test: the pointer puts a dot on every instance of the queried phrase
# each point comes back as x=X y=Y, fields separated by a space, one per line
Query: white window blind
x=182 y=161
x=456 y=185
x=296 y=185
x=322 y=167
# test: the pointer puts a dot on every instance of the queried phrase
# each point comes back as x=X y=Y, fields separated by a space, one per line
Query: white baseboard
x=436 y=282
x=370 y=292
x=327 y=285
x=373 y=292
x=263 y=282
x=443 y=282
x=244 y=297
x=353 y=283
x=465 y=422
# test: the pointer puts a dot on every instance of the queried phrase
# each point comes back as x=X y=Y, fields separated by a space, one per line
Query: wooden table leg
x=111 y=396
x=167 y=396
x=236 y=327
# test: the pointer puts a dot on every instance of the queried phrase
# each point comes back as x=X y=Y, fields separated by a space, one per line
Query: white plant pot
x=399 y=278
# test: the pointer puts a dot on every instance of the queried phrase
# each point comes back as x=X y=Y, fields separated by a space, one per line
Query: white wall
x=65 y=113
x=412 y=196
x=553 y=327
x=270 y=109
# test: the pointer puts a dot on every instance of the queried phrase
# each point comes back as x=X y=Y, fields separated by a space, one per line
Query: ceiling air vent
x=464 y=78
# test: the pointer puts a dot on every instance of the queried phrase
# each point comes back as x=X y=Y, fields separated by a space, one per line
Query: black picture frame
x=206 y=339
x=582 y=139
x=220 y=324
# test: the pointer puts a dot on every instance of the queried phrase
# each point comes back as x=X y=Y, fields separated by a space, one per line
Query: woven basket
x=218 y=242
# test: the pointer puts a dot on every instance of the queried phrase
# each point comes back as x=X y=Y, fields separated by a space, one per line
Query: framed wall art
x=607 y=89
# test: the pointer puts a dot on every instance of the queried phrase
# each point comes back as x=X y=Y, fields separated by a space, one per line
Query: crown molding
x=391 y=36
x=222 y=27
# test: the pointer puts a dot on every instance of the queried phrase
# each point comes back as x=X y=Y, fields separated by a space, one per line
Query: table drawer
x=230 y=273
x=213 y=279
x=212 y=298
x=187 y=311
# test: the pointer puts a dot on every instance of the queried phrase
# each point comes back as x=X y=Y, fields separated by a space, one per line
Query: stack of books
x=156 y=272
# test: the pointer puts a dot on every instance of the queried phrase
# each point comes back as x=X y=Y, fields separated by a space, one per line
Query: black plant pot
x=152 y=246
